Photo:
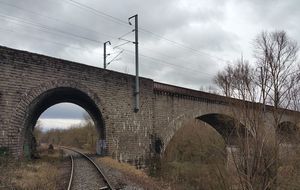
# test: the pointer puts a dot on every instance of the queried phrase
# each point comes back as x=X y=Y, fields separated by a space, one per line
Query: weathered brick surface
x=174 y=105
x=27 y=78
x=172 y=110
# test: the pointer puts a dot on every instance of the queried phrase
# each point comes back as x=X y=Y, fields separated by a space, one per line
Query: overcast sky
x=182 y=42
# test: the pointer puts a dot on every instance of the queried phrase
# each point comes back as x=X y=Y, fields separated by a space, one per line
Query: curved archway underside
x=287 y=132
x=229 y=128
x=60 y=95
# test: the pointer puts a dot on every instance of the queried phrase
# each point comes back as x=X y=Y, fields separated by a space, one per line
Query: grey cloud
x=208 y=26
x=275 y=13
x=210 y=37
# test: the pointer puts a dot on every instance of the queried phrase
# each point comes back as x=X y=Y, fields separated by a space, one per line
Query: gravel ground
x=123 y=180
x=116 y=178
x=127 y=181
x=86 y=175
x=65 y=174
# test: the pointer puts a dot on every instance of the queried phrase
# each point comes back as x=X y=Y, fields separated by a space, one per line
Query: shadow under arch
x=287 y=132
x=228 y=127
x=60 y=95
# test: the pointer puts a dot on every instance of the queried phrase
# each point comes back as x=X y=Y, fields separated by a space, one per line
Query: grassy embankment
x=44 y=173
x=195 y=158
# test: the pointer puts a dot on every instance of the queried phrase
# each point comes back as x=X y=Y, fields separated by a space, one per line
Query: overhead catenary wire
x=122 y=44
x=119 y=21
x=47 y=41
x=168 y=63
x=97 y=12
x=183 y=45
x=149 y=57
x=65 y=22
x=193 y=72
x=115 y=58
x=43 y=39
x=158 y=61
x=47 y=29
x=54 y=19
x=122 y=36
x=61 y=21
x=26 y=22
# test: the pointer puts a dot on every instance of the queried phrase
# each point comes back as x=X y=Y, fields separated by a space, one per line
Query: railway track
x=85 y=173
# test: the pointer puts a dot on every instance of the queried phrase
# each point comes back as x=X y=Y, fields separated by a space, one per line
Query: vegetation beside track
x=48 y=172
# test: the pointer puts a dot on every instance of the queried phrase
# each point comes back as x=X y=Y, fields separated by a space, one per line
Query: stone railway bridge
x=31 y=83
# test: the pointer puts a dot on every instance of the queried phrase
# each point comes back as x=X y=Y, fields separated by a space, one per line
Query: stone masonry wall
x=171 y=111
x=24 y=75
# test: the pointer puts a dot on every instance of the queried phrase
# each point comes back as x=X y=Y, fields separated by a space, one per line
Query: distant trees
x=83 y=135
x=236 y=80
x=38 y=131
x=224 y=80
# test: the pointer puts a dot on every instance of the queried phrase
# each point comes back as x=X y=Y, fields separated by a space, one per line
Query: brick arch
x=18 y=120
x=188 y=116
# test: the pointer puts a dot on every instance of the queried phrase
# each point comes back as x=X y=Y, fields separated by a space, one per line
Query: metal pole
x=137 y=85
x=104 y=54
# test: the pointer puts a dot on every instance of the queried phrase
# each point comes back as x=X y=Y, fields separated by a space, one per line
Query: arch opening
x=287 y=132
x=56 y=96
x=229 y=128
x=194 y=152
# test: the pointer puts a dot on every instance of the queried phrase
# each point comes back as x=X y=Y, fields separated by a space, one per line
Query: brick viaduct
x=30 y=83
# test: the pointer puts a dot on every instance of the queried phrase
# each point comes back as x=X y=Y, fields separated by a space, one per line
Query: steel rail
x=109 y=186
x=72 y=173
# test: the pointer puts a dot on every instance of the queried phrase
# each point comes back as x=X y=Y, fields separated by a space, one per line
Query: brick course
x=26 y=78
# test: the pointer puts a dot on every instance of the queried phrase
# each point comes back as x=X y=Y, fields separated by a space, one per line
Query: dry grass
x=122 y=166
x=36 y=176
x=130 y=173
x=44 y=173
x=195 y=158
x=289 y=169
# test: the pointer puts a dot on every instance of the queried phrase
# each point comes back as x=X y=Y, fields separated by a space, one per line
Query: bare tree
x=276 y=84
x=243 y=81
x=276 y=55
x=236 y=80
x=224 y=80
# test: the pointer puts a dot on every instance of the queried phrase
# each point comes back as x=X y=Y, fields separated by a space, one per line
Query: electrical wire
x=126 y=34
x=42 y=39
x=116 y=20
x=119 y=45
x=55 y=19
x=119 y=21
x=114 y=59
x=97 y=41
x=156 y=60
x=12 y=18
x=183 y=45
x=97 y=12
